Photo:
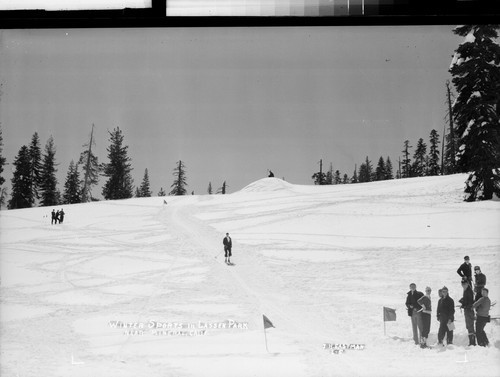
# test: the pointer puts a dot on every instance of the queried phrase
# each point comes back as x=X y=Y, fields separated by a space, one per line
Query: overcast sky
x=229 y=102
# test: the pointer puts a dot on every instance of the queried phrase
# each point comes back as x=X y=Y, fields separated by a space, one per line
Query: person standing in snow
x=228 y=244
x=414 y=311
x=438 y=306
x=53 y=217
x=57 y=217
x=446 y=316
x=61 y=216
x=465 y=270
x=482 y=307
x=466 y=304
x=480 y=282
x=440 y=294
x=426 y=312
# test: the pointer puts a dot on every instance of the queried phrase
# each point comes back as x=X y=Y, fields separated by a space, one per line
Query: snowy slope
x=319 y=262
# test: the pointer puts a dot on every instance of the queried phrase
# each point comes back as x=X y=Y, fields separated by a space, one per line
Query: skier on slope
x=228 y=244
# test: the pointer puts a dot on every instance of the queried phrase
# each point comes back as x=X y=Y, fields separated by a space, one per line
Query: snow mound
x=268 y=184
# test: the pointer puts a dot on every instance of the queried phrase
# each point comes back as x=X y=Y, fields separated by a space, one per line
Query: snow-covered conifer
x=35 y=165
x=476 y=76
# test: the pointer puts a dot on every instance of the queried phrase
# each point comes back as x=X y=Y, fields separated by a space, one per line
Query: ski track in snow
x=319 y=262
x=252 y=271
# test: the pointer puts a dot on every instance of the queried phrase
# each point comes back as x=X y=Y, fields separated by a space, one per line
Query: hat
x=466 y=257
x=444 y=288
x=477 y=268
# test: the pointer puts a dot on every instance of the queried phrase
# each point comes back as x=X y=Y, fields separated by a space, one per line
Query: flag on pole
x=389 y=314
x=267 y=322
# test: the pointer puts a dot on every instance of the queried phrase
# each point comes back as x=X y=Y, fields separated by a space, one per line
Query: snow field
x=319 y=261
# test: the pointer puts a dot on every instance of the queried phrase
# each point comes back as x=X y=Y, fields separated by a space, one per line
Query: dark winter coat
x=480 y=282
x=438 y=309
x=227 y=242
x=446 y=309
x=468 y=298
x=465 y=270
x=412 y=301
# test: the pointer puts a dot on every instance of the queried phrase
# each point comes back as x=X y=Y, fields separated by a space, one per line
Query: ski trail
x=261 y=287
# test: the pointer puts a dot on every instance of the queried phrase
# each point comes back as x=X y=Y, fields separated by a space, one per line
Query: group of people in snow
x=57 y=217
x=420 y=309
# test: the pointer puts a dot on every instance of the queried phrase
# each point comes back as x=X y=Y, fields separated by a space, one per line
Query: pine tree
x=354 y=178
x=209 y=190
x=369 y=168
x=433 y=163
x=145 y=189
x=179 y=185
x=90 y=167
x=388 y=169
x=22 y=193
x=329 y=180
x=48 y=186
x=2 y=159
x=72 y=191
x=406 y=165
x=476 y=111
x=319 y=177
x=162 y=192
x=366 y=171
x=380 y=173
x=450 y=140
x=119 y=184
x=336 y=179
x=36 y=165
x=3 y=196
x=419 y=167
x=223 y=189
x=363 y=173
